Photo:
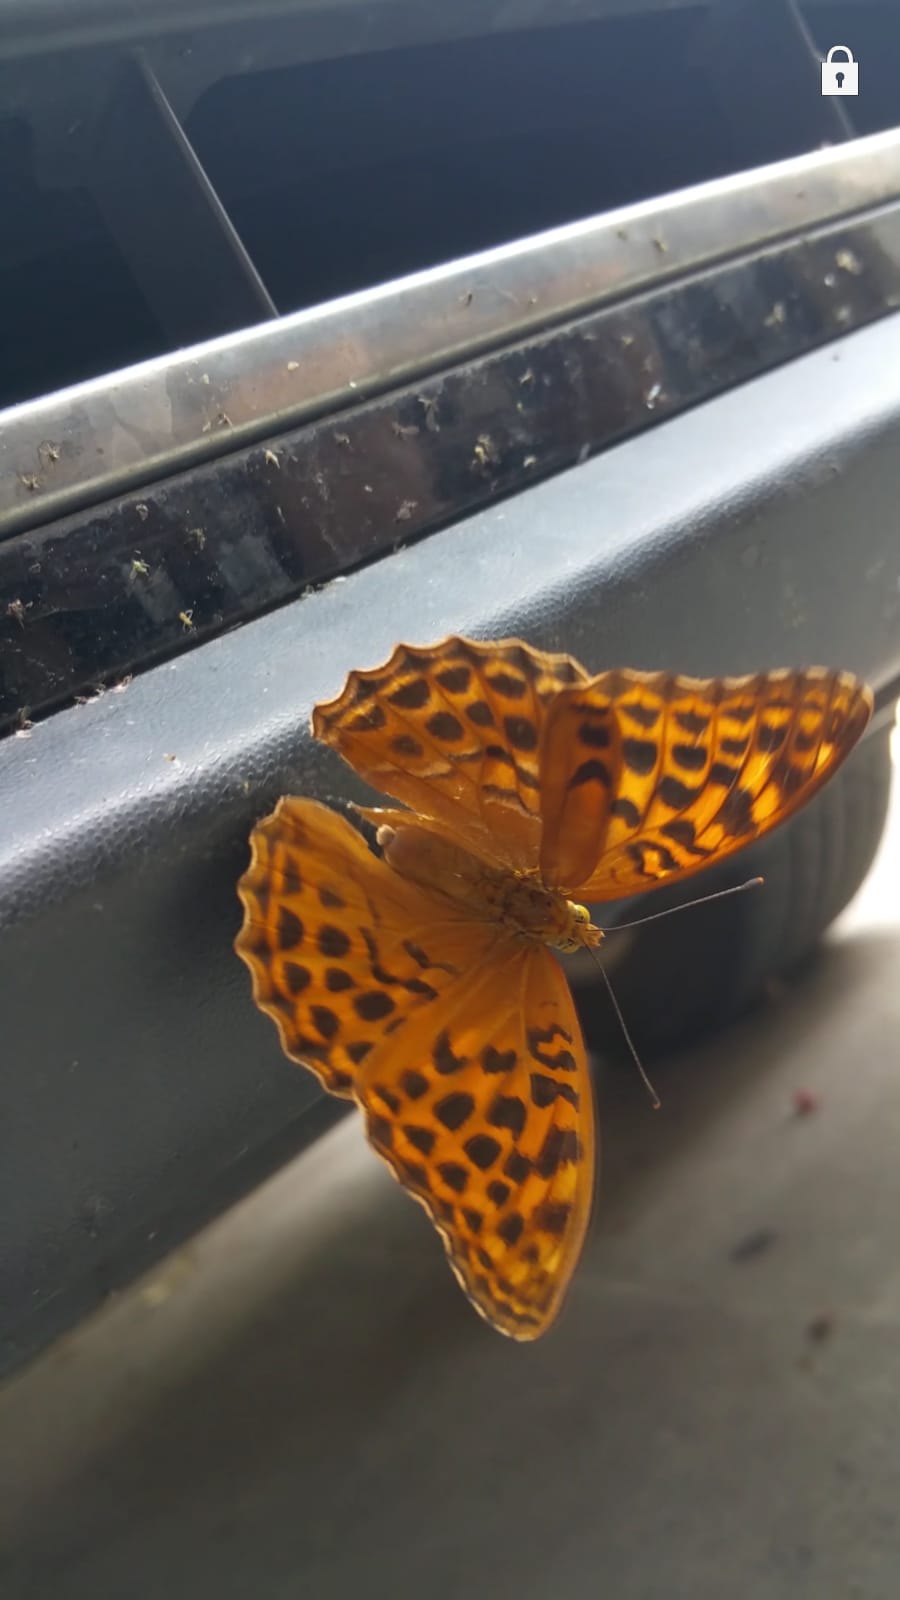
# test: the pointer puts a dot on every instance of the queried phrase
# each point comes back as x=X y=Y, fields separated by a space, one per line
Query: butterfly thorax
x=526 y=905
x=518 y=900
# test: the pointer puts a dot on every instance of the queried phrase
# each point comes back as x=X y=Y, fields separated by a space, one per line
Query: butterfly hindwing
x=481 y=1105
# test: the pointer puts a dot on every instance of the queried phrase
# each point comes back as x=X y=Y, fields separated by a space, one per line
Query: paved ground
x=302 y=1403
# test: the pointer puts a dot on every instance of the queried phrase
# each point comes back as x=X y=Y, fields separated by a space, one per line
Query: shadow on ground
x=302 y=1402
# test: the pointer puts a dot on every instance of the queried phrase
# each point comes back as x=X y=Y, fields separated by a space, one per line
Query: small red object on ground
x=805 y=1102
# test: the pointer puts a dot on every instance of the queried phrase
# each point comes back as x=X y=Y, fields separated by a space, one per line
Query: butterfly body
x=518 y=901
x=422 y=982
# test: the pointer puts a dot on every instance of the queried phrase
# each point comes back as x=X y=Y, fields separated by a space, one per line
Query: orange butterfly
x=421 y=984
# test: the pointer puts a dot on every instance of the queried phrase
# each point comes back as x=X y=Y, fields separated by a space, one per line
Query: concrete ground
x=301 y=1402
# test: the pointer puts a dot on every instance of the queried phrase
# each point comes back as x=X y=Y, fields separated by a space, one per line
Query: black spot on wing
x=456 y=679
x=626 y=810
x=516 y=1166
x=454 y=1176
x=508 y=1111
x=373 y=1005
x=497 y=1060
x=734 y=747
x=480 y=713
x=290 y=929
x=359 y=1050
x=770 y=737
x=544 y=1090
x=325 y=1020
x=540 y=1041
x=454 y=1110
x=445 y=726
x=411 y=696
x=595 y=734
x=676 y=794
x=693 y=722
x=692 y=757
x=682 y=832
x=593 y=771
x=496 y=752
x=505 y=683
x=443 y=1057
x=298 y=977
x=723 y=774
x=510 y=1227
x=521 y=733
x=333 y=942
x=553 y=1217
x=482 y=1150
x=736 y=813
x=405 y=745
x=422 y=1138
x=560 y=1146
x=337 y=980
x=640 y=755
x=654 y=858
x=645 y=716
x=290 y=881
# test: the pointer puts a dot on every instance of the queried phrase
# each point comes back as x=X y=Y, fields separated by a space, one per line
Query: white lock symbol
x=840 y=76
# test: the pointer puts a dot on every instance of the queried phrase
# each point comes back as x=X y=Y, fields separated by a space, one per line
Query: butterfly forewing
x=340 y=948
x=459 y=1041
x=649 y=777
x=454 y=731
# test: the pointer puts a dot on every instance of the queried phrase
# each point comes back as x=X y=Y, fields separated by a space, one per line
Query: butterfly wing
x=340 y=948
x=646 y=777
x=481 y=1105
x=454 y=732
x=459 y=1041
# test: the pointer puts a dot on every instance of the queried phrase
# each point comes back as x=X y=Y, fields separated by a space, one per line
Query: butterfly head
x=576 y=932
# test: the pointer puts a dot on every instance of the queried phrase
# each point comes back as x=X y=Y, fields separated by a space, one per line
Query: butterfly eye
x=581 y=914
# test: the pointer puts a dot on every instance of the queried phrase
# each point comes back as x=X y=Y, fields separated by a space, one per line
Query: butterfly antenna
x=736 y=888
x=654 y=1097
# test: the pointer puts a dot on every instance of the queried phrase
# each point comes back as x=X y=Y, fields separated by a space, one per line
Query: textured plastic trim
x=141 y=1089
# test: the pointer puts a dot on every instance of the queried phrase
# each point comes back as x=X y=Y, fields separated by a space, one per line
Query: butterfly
x=422 y=982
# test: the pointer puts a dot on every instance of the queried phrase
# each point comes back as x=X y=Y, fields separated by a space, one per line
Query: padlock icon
x=839 y=75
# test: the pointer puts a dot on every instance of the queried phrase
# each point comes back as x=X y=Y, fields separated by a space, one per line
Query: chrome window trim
x=86 y=443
